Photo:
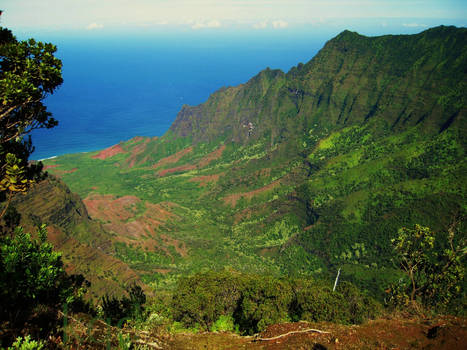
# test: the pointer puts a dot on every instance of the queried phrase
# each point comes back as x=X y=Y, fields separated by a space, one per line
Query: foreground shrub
x=33 y=281
x=225 y=323
x=251 y=302
x=203 y=298
x=318 y=303
x=434 y=267
x=264 y=301
x=26 y=344
x=117 y=311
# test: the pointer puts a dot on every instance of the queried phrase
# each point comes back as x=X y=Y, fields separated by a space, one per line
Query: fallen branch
x=293 y=332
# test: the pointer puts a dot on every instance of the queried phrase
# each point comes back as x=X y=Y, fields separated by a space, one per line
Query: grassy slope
x=365 y=138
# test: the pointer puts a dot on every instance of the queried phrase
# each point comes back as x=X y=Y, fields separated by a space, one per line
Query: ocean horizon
x=118 y=86
x=114 y=90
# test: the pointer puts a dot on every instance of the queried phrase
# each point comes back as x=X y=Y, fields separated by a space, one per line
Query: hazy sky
x=107 y=15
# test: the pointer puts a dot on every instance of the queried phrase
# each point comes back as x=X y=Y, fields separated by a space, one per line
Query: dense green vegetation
x=253 y=302
x=299 y=173
x=341 y=163
x=34 y=285
x=434 y=268
x=119 y=310
x=28 y=73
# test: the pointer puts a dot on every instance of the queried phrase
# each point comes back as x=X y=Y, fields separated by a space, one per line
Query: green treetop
x=29 y=72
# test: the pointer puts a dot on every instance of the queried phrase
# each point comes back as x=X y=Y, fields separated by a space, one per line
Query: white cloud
x=280 y=24
x=414 y=25
x=208 y=24
x=81 y=14
x=163 y=23
x=94 y=26
x=260 y=25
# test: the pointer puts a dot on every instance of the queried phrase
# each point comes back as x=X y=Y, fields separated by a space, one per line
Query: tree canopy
x=29 y=72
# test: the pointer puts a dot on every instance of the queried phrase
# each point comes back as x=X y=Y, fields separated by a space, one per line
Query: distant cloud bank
x=94 y=26
x=276 y=24
x=413 y=25
x=261 y=25
x=208 y=24
x=280 y=24
x=83 y=15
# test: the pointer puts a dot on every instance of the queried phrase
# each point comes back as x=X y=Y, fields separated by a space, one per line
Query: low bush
x=34 y=284
x=117 y=311
x=249 y=303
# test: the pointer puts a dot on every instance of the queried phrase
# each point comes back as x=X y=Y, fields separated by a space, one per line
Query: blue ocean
x=116 y=88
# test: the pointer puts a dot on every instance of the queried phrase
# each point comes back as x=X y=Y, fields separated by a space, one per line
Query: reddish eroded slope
x=107 y=208
x=233 y=198
x=136 y=151
x=186 y=167
x=203 y=162
x=50 y=166
x=57 y=171
x=174 y=158
x=109 y=152
x=86 y=246
x=99 y=268
x=134 y=223
x=205 y=179
x=216 y=154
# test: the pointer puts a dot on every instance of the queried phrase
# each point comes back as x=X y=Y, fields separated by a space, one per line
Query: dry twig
x=293 y=332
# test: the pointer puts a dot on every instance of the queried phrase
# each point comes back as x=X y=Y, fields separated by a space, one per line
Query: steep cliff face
x=402 y=80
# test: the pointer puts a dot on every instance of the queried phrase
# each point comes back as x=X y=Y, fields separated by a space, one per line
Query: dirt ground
x=448 y=333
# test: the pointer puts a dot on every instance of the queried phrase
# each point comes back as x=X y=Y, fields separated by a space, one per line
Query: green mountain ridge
x=352 y=79
x=294 y=173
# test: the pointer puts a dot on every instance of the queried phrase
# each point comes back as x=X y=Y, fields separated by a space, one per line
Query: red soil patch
x=244 y=214
x=187 y=167
x=162 y=210
x=137 y=139
x=108 y=208
x=109 y=152
x=135 y=151
x=235 y=197
x=140 y=229
x=174 y=158
x=50 y=166
x=379 y=334
x=78 y=257
x=204 y=180
x=55 y=236
x=69 y=171
x=211 y=156
x=179 y=246
x=59 y=172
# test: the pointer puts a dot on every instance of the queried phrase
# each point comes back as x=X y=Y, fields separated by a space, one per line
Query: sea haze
x=118 y=88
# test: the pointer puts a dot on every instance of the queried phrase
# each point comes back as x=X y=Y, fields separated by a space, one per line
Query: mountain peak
x=353 y=79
